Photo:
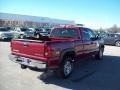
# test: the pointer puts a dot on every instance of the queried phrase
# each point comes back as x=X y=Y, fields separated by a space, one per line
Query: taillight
x=48 y=51
x=51 y=52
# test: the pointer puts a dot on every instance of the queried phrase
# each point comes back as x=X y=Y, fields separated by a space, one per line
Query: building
x=14 y=20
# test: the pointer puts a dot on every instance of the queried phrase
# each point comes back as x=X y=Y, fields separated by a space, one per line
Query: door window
x=85 y=34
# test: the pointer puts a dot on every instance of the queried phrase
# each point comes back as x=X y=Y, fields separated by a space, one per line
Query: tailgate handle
x=25 y=44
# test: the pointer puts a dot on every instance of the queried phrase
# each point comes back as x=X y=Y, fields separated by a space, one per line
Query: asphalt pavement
x=89 y=74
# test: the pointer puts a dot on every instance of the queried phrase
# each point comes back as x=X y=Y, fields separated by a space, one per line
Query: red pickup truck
x=59 y=51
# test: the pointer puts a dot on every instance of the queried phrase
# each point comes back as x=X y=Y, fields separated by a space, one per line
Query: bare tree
x=114 y=29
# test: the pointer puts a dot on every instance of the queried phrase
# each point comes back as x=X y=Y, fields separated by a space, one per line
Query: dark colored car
x=59 y=51
x=112 y=39
x=41 y=32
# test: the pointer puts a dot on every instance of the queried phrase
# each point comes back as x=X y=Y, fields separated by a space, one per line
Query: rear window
x=65 y=32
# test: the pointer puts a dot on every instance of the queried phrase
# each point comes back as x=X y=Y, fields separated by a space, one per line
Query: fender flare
x=65 y=52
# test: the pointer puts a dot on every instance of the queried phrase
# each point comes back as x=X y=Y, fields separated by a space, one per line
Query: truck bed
x=35 y=48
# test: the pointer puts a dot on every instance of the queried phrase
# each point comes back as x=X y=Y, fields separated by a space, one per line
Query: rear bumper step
x=28 y=62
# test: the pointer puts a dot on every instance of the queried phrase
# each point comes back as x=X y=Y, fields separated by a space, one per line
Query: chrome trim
x=27 y=61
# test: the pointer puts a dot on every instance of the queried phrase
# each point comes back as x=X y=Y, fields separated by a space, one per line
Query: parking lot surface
x=89 y=74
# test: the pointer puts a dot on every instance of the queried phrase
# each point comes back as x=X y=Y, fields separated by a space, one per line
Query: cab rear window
x=65 y=32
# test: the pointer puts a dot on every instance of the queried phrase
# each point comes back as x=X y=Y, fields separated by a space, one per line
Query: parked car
x=59 y=51
x=23 y=32
x=112 y=39
x=41 y=32
x=5 y=33
x=48 y=30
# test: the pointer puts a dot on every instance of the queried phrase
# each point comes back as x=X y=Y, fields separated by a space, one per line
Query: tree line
x=113 y=29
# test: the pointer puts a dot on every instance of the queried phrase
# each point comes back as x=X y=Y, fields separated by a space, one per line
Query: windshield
x=65 y=32
x=24 y=29
x=3 y=29
x=47 y=30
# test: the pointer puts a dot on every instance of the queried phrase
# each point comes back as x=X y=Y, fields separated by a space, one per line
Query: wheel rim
x=101 y=54
x=21 y=36
x=67 y=68
x=118 y=43
x=37 y=36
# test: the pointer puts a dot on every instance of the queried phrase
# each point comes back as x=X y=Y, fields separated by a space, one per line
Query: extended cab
x=64 y=46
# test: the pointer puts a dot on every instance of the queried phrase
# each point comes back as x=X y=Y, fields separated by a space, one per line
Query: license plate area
x=24 y=60
x=30 y=62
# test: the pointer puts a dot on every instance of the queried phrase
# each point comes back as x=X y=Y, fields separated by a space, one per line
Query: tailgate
x=28 y=48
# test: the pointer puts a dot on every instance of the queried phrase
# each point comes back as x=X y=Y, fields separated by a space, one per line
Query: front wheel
x=38 y=35
x=99 y=55
x=117 y=43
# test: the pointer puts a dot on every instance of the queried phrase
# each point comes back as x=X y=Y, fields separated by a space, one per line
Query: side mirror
x=94 y=38
x=99 y=36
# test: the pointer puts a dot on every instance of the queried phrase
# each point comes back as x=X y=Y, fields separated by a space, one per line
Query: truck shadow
x=87 y=71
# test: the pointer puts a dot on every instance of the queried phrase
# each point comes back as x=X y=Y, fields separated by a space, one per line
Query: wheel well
x=117 y=40
x=69 y=54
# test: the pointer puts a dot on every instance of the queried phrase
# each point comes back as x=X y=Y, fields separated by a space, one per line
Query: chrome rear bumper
x=28 y=62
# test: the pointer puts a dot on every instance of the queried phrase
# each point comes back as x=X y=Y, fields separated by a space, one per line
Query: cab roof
x=68 y=26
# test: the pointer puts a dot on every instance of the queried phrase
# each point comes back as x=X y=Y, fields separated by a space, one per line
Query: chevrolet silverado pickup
x=59 y=51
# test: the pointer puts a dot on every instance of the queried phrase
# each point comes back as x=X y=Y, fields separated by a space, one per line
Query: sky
x=92 y=13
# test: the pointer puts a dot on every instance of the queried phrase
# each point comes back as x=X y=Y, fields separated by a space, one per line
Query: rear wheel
x=117 y=43
x=99 y=55
x=66 y=67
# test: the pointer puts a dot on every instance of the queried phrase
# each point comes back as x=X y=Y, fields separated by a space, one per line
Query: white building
x=30 y=21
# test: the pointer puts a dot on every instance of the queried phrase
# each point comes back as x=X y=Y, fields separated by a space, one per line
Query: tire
x=99 y=55
x=23 y=66
x=21 y=36
x=117 y=43
x=38 y=35
x=66 y=67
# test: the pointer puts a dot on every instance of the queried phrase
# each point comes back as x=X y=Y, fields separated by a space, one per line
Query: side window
x=73 y=33
x=36 y=29
x=18 y=30
x=91 y=33
x=85 y=34
x=116 y=36
x=111 y=35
